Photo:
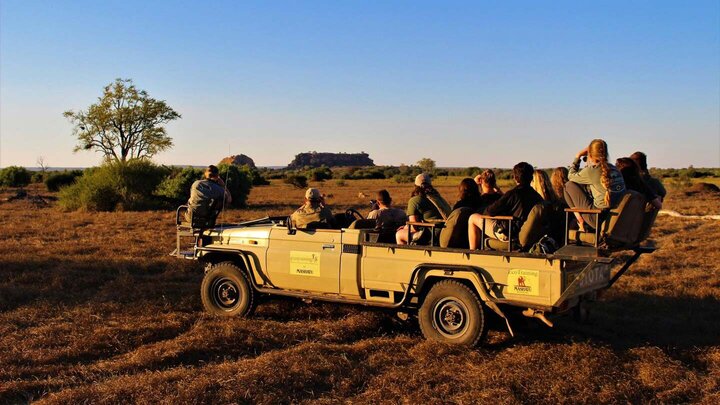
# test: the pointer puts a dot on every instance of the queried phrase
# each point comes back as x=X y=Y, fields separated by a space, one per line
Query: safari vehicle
x=452 y=290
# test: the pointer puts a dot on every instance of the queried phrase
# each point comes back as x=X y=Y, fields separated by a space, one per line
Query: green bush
x=296 y=180
x=91 y=193
x=320 y=174
x=176 y=186
x=113 y=186
x=55 y=181
x=256 y=176
x=15 y=176
x=37 y=177
x=403 y=178
x=238 y=181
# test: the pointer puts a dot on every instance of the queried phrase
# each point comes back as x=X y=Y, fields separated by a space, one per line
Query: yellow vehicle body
x=344 y=265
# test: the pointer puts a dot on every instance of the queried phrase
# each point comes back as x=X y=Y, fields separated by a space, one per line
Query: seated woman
x=634 y=181
x=468 y=195
x=386 y=216
x=605 y=183
x=516 y=203
x=558 y=179
x=556 y=215
x=490 y=192
x=654 y=184
x=425 y=205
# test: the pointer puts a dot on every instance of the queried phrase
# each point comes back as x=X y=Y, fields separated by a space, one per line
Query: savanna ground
x=92 y=309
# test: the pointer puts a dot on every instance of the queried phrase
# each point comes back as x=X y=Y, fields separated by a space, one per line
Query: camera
x=374 y=205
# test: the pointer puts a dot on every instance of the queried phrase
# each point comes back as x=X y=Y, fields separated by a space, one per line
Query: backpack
x=546 y=245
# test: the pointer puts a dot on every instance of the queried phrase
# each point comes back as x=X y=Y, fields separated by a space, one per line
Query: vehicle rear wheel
x=226 y=291
x=452 y=313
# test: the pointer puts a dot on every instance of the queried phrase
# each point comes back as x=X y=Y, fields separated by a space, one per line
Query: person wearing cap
x=425 y=205
x=208 y=196
x=313 y=214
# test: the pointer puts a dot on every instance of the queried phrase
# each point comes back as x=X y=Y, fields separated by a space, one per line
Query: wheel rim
x=225 y=294
x=450 y=317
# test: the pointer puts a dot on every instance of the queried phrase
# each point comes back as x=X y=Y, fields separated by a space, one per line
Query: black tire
x=226 y=291
x=453 y=313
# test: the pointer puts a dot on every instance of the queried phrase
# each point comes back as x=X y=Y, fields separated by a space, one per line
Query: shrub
x=238 y=181
x=91 y=193
x=37 y=177
x=55 y=181
x=256 y=176
x=15 y=176
x=403 y=178
x=340 y=183
x=176 y=186
x=296 y=180
x=321 y=174
x=112 y=186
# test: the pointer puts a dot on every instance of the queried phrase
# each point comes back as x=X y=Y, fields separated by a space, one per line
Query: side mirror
x=290 y=227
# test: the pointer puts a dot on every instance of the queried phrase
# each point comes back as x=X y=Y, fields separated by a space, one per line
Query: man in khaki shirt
x=313 y=214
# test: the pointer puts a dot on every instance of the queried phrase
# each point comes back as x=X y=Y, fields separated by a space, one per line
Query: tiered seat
x=455 y=232
x=530 y=232
x=623 y=227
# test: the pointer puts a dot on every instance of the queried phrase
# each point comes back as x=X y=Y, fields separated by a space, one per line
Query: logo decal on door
x=305 y=263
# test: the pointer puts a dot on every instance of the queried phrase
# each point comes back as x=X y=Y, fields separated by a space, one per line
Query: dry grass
x=92 y=310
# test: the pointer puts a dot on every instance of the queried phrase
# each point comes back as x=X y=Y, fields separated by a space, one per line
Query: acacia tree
x=125 y=123
x=427 y=165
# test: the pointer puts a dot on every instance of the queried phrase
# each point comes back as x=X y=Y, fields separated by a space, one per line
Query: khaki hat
x=313 y=194
x=422 y=178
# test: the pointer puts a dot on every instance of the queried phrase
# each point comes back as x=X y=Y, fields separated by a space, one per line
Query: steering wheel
x=352 y=214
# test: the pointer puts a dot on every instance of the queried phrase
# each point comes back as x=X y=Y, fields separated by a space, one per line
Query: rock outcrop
x=315 y=159
x=238 y=160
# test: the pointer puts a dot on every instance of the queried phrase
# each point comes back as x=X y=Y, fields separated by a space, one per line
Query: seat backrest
x=534 y=227
x=623 y=227
x=648 y=221
x=363 y=224
x=455 y=232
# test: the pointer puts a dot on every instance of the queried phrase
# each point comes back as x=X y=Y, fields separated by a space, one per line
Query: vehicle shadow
x=633 y=320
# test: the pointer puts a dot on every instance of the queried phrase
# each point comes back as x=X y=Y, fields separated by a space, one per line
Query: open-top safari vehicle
x=452 y=290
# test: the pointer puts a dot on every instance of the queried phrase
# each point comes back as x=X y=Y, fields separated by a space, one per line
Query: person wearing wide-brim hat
x=425 y=205
x=313 y=214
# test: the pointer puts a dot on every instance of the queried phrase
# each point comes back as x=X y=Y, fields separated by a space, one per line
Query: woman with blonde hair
x=541 y=184
x=554 y=205
x=599 y=185
x=558 y=179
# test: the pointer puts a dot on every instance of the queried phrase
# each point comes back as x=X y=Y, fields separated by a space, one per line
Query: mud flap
x=492 y=305
x=498 y=311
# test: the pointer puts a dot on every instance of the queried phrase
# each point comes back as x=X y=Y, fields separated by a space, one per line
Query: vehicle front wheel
x=452 y=313
x=226 y=291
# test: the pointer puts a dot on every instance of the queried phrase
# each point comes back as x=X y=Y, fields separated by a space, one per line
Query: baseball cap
x=422 y=178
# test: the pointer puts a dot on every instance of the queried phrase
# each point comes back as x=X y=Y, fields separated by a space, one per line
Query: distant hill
x=317 y=159
x=238 y=160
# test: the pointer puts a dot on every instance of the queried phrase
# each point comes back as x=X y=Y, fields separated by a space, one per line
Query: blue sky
x=465 y=83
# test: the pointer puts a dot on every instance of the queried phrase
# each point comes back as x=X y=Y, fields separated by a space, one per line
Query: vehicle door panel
x=308 y=260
